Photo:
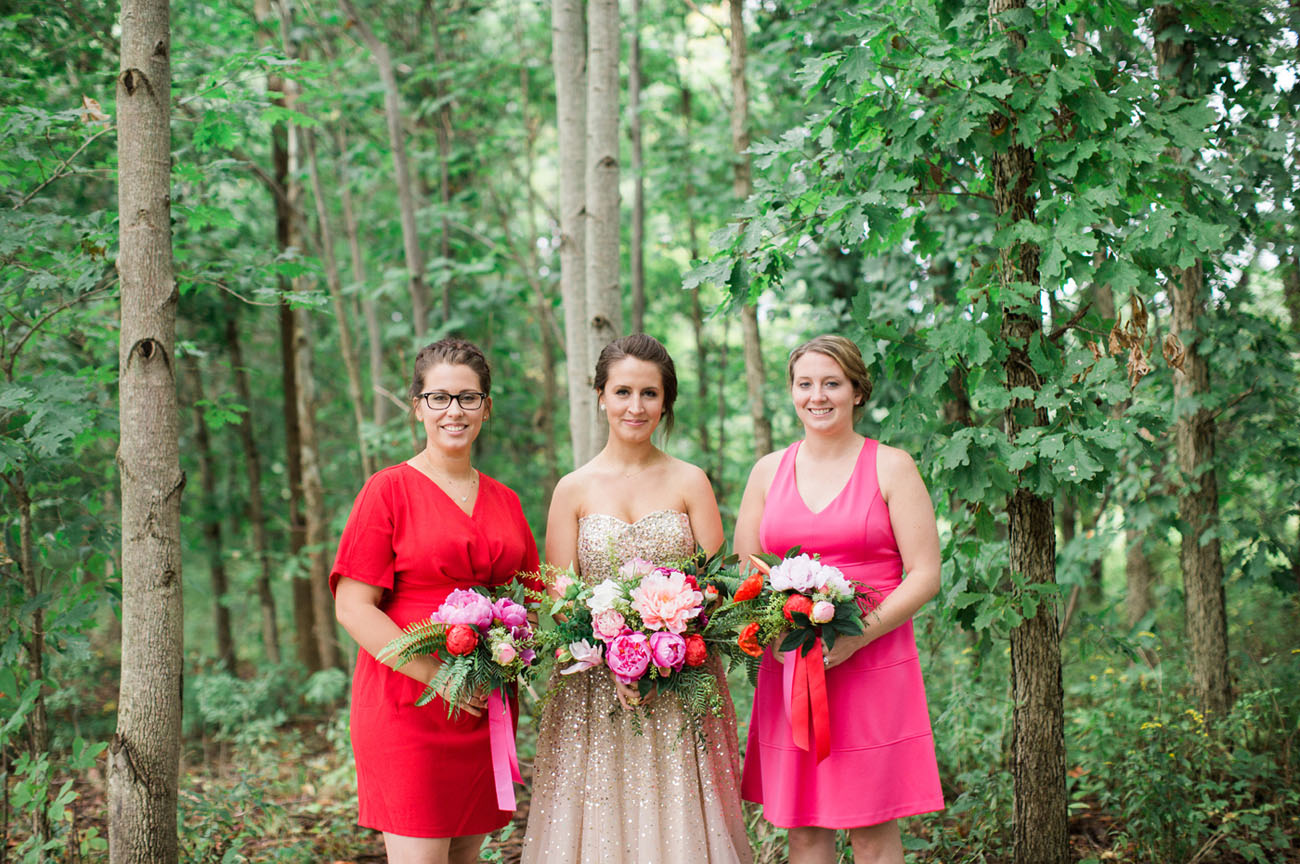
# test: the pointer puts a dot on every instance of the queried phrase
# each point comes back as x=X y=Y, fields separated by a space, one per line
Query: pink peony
x=629 y=657
x=586 y=655
x=822 y=612
x=608 y=624
x=667 y=651
x=562 y=582
x=665 y=601
x=509 y=613
x=635 y=568
x=465 y=607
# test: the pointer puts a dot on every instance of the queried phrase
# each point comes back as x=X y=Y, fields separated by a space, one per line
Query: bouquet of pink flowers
x=798 y=600
x=486 y=643
x=649 y=625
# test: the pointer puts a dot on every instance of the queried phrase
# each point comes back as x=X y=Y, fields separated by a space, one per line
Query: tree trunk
x=256 y=514
x=1040 y=818
x=38 y=725
x=1194 y=436
x=1140 y=576
x=604 y=303
x=144 y=754
x=637 y=252
x=442 y=126
x=335 y=284
x=374 y=336
x=742 y=187
x=568 y=35
x=697 y=309
x=212 y=531
x=1291 y=293
x=402 y=176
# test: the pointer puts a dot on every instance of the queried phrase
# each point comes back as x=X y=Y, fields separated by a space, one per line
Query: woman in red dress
x=417 y=531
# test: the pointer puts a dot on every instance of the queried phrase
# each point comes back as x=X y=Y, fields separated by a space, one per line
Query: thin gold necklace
x=447 y=480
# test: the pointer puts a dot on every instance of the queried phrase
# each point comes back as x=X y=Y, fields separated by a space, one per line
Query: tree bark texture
x=144 y=754
x=604 y=301
x=636 y=254
x=38 y=724
x=1140 y=578
x=442 y=132
x=1291 y=294
x=335 y=284
x=743 y=186
x=1194 y=441
x=256 y=511
x=418 y=290
x=211 y=520
x=1040 y=817
x=568 y=55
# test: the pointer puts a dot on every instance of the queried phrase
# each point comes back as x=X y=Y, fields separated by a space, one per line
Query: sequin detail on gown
x=601 y=792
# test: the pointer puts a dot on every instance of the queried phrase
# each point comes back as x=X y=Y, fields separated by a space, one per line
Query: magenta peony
x=465 y=607
x=667 y=651
x=666 y=602
x=629 y=657
x=509 y=613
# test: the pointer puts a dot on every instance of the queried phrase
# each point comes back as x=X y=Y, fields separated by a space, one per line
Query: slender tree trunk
x=697 y=309
x=604 y=302
x=1198 y=499
x=742 y=186
x=335 y=284
x=1138 y=600
x=568 y=55
x=442 y=125
x=256 y=513
x=1291 y=293
x=144 y=754
x=1040 y=824
x=374 y=336
x=637 y=252
x=38 y=725
x=212 y=531
x=402 y=175
x=723 y=408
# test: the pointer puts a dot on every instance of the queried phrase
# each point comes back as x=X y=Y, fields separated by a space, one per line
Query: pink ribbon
x=505 y=759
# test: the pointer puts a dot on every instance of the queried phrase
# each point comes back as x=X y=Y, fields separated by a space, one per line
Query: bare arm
x=911 y=514
x=702 y=510
x=562 y=525
x=751 y=507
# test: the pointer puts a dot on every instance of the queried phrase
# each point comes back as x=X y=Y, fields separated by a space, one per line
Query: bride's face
x=633 y=399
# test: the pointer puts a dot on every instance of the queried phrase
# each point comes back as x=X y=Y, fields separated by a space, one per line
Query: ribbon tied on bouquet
x=505 y=759
x=806 y=705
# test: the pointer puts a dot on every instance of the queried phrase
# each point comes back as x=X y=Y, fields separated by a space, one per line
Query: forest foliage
x=876 y=213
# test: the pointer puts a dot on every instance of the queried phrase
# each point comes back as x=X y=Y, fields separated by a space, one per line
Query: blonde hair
x=844 y=352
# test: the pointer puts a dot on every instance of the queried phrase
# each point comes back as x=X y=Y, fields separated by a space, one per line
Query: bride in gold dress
x=618 y=790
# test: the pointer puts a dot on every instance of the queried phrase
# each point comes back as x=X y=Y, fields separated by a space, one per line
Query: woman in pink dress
x=863 y=507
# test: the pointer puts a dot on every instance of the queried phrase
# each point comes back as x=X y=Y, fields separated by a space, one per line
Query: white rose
x=793 y=574
x=604 y=596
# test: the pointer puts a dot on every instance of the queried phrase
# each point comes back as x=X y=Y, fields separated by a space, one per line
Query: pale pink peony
x=629 y=657
x=665 y=602
x=586 y=655
x=562 y=582
x=503 y=653
x=667 y=651
x=822 y=612
x=635 y=568
x=608 y=624
x=465 y=607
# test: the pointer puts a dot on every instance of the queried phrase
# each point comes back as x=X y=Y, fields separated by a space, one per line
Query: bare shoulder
x=569 y=490
x=687 y=474
x=765 y=469
x=894 y=461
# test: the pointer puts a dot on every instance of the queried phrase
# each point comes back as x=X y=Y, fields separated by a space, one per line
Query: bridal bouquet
x=797 y=600
x=649 y=625
x=484 y=640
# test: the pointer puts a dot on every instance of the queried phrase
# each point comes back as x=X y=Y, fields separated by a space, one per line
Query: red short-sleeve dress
x=419 y=773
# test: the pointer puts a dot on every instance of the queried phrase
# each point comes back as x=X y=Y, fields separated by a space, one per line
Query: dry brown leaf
x=1174 y=351
x=1137 y=313
x=1137 y=365
x=93 y=112
x=1117 y=341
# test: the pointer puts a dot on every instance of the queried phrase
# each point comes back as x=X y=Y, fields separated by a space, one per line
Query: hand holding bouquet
x=794 y=602
x=485 y=643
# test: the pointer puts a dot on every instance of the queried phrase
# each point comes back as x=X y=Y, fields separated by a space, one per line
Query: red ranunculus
x=797 y=603
x=696 y=652
x=690 y=580
x=749 y=589
x=461 y=639
x=747 y=642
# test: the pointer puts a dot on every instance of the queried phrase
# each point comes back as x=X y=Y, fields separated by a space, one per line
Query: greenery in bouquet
x=792 y=602
x=483 y=637
x=651 y=625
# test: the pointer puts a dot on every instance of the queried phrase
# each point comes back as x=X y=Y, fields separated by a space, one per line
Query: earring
x=600 y=406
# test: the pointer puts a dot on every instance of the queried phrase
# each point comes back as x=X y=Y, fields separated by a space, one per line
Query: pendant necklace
x=445 y=485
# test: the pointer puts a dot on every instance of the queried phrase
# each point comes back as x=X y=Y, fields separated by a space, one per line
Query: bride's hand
x=629 y=695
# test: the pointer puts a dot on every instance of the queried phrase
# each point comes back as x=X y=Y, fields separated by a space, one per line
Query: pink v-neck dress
x=881 y=764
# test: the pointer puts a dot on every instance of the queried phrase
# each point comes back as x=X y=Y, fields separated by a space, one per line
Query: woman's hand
x=474 y=702
x=845 y=647
x=629 y=695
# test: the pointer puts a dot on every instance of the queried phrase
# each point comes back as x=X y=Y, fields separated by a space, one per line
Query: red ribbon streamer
x=501 y=740
x=805 y=694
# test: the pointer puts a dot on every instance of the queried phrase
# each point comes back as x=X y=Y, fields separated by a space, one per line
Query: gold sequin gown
x=604 y=794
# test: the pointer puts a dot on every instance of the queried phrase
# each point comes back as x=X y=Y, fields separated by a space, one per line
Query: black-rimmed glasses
x=469 y=400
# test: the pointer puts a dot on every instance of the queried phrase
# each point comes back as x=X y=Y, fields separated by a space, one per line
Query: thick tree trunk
x=1040 y=818
x=212 y=531
x=637 y=252
x=144 y=754
x=742 y=187
x=604 y=302
x=1194 y=436
x=335 y=283
x=568 y=55
x=256 y=512
x=369 y=309
x=1140 y=578
x=416 y=286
